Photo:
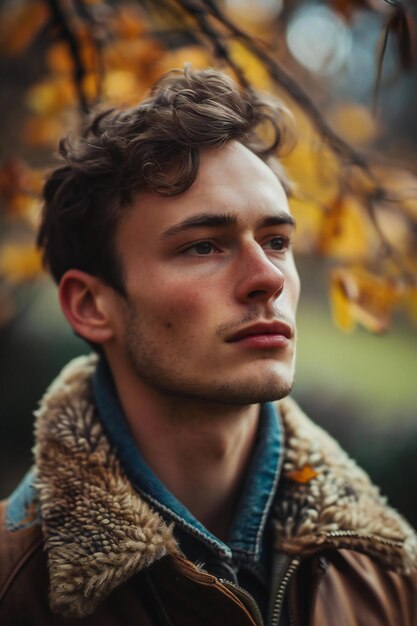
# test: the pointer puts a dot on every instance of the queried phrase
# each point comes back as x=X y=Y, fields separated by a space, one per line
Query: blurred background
x=347 y=71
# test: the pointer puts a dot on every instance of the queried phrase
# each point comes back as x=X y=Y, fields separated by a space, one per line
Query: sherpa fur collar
x=325 y=500
x=99 y=532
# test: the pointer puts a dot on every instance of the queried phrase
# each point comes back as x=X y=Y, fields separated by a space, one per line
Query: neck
x=199 y=449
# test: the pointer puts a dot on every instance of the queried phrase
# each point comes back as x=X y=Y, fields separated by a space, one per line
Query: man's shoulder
x=325 y=500
x=20 y=533
x=375 y=593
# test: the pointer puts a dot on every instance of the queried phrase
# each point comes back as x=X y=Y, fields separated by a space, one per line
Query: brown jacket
x=79 y=546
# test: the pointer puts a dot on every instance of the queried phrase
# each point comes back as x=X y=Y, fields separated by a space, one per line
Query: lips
x=263 y=329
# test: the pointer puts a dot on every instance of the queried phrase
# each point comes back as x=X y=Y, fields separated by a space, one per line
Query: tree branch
x=62 y=20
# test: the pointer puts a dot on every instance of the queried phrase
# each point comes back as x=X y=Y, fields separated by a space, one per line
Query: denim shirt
x=244 y=557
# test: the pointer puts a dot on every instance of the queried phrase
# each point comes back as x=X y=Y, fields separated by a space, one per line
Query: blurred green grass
x=378 y=372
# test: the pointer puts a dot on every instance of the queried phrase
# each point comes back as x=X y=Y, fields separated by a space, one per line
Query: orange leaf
x=134 y=55
x=128 y=22
x=347 y=7
x=42 y=131
x=20 y=262
x=20 y=25
x=19 y=187
x=58 y=58
x=303 y=475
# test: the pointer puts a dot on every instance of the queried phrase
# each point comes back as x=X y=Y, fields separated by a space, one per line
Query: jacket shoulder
x=325 y=500
x=20 y=532
x=375 y=594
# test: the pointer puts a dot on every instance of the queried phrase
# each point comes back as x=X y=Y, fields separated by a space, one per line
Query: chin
x=252 y=391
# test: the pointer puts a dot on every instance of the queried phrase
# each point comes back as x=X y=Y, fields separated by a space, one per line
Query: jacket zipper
x=333 y=534
x=294 y=563
x=291 y=569
x=280 y=595
x=248 y=600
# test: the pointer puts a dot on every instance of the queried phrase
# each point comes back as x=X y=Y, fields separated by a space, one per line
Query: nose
x=259 y=279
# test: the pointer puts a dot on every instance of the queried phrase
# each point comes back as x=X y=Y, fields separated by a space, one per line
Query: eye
x=201 y=248
x=279 y=243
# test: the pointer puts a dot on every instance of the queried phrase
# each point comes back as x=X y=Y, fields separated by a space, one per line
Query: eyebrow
x=210 y=220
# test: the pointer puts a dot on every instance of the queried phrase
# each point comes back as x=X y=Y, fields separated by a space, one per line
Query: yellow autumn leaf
x=346 y=232
x=51 y=96
x=341 y=305
x=135 y=55
x=26 y=208
x=20 y=262
x=309 y=217
x=359 y=296
x=354 y=122
x=30 y=211
x=315 y=170
x=120 y=86
x=177 y=58
x=377 y=324
x=255 y=70
x=89 y=84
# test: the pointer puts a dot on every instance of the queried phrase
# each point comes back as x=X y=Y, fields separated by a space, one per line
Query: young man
x=174 y=481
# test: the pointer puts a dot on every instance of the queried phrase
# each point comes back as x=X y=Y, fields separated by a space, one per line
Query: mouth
x=263 y=335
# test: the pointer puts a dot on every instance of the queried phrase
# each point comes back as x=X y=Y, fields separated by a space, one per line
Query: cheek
x=177 y=306
x=177 y=310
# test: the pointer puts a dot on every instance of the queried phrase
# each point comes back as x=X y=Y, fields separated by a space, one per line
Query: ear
x=84 y=300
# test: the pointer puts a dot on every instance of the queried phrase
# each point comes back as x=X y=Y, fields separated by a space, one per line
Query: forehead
x=231 y=179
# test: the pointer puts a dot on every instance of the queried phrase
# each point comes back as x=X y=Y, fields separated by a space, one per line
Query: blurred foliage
x=351 y=206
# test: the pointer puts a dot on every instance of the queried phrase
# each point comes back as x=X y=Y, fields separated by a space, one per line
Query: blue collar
x=246 y=536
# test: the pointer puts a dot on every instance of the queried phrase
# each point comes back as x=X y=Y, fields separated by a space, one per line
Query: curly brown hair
x=154 y=146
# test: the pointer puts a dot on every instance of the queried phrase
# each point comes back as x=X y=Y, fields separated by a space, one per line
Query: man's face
x=211 y=284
